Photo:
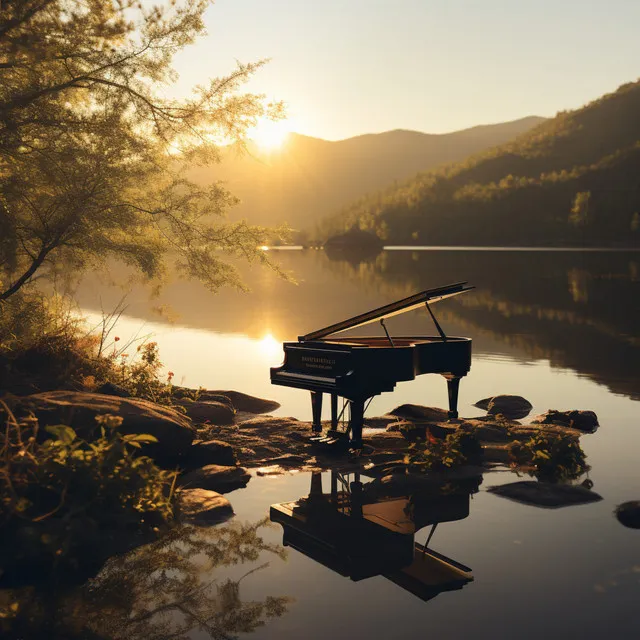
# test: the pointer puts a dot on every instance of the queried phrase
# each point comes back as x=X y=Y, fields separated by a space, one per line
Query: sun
x=270 y=135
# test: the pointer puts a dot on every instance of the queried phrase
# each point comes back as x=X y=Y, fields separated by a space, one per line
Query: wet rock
x=244 y=402
x=415 y=411
x=379 y=422
x=487 y=431
x=216 y=477
x=585 y=421
x=628 y=514
x=399 y=426
x=545 y=494
x=211 y=452
x=203 y=507
x=78 y=409
x=209 y=411
x=287 y=460
x=507 y=405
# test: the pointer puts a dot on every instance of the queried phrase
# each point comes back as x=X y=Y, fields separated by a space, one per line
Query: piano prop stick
x=359 y=368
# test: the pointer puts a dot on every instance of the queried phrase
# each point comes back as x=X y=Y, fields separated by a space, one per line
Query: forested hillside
x=574 y=179
x=308 y=178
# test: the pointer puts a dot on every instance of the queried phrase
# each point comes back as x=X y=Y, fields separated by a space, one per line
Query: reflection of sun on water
x=271 y=348
x=269 y=135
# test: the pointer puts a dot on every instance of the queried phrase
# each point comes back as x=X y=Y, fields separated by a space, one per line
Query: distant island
x=571 y=181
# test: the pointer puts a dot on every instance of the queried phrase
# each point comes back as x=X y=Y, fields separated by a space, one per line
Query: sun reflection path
x=270 y=347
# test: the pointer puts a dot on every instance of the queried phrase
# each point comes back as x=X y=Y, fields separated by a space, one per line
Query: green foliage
x=62 y=489
x=550 y=456
x=93 y=155
x=44 y=346
x=439 y=454
x=579 y=215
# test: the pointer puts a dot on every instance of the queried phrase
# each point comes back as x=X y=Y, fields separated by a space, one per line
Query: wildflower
x=116 y=339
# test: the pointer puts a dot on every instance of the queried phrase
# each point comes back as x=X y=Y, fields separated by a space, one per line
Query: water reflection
x=168 y=589
x=361 y=530
x=577 y=310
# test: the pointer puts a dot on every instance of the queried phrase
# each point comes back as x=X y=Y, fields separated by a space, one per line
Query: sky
x=349 y=67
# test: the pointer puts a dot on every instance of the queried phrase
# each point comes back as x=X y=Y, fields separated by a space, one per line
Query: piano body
x=359 y=536
x=358 y=368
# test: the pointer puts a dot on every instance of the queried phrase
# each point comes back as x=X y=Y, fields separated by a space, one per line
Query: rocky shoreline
x=220 y=439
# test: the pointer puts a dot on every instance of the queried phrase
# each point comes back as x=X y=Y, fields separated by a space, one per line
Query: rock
x=203 y=507
x=286 y=460
x=489 y=431
x=545 y=494
x=399 y=426
x=379 y=422
x=244 y=402
x=211 y=452
x=208 y=411
x=415 y=411
x=110 y=389
x=507 y=405
x=216 y=477
x=585 y=421
x=79 y=409
x=628 y=514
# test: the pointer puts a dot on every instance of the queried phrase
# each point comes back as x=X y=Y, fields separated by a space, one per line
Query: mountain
x=572 y=180
x=308 y=178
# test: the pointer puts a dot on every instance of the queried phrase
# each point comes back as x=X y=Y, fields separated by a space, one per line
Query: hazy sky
x=346 y=67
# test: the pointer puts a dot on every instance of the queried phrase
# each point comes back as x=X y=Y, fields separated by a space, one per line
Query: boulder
x=243 y=402
x=507 y=405
x=203 y=507
x=417 y=412
x=213 y=412
x=585 y=421
x=545 y=494
x=628 y=514
x=216 y=477
x=78 y=409
x=210 y=452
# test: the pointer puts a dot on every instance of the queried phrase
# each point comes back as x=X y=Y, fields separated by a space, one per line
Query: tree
x=579 y=214
x=93 y=158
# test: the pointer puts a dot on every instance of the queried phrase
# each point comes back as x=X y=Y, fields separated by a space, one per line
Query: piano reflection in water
x=360 y=533
x=357 y=368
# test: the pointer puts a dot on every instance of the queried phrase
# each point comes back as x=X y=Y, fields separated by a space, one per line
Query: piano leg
x=356 y=419
x=316 y=411
x=334 y=412
x=453 y=383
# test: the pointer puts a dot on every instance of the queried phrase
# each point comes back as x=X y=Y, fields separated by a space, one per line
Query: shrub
x=456 y=449
x=550 y=456
x=61 y=493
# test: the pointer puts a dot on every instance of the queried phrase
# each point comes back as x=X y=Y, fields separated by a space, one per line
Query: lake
x=561 y=328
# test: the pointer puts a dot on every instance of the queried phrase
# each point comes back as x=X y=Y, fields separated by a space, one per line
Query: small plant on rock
x=60 y=493
x=550 y=457
x=439 y=454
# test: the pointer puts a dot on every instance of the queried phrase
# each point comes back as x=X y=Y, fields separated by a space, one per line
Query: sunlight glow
x=270 y=347
x=269 y=135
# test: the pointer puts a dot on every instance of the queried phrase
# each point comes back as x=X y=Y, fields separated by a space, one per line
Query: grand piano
x=358 y=368
x=360 y=534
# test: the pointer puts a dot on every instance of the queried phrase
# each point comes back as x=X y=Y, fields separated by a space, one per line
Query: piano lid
x=395 y=308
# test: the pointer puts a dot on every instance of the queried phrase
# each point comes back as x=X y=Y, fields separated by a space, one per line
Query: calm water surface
x=560 y=328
